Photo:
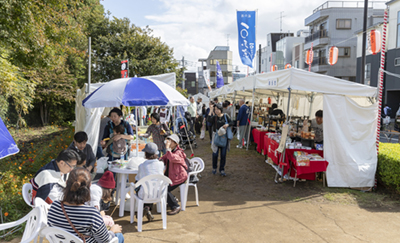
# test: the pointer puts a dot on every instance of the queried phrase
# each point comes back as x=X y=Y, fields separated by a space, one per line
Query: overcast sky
x=194 y=27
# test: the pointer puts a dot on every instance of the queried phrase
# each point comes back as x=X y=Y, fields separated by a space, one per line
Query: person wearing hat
x=101 y=193
x=176 y=170
x=152 y=166
x=218 y=119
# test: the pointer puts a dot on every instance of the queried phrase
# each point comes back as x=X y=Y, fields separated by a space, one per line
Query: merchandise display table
x=301 y=172
x=259 y=139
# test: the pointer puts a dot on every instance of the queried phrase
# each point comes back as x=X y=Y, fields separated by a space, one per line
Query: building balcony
x=319 y=65
x=319 y=38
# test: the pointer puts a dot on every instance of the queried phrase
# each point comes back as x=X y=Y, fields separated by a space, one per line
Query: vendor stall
x=350 y=113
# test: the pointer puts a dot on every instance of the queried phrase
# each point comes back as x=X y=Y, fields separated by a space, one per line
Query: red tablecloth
x=306 y=172
x=259 y=139
x=303 y=172
x=270 y=147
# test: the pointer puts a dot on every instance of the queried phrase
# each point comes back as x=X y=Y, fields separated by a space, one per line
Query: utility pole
x=281 y=20
x=183 y=73
x=227 y=39
x=89 y=65
x=259 y=59
x=364 y=42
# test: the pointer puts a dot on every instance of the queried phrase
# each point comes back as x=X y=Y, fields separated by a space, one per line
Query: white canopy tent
x=350 y=117
x=88 y=119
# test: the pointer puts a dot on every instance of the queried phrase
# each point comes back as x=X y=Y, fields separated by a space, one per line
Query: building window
x=344 y=51
x=343 y=24
x=367 y=74
x=397 y=61
x=398 y=29
x=193 y=84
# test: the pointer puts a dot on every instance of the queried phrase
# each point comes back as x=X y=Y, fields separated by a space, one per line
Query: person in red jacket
x=176 y=167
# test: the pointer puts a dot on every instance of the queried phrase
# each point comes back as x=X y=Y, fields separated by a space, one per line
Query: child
x=82 y=163
x=101 y=195
x=119 y=147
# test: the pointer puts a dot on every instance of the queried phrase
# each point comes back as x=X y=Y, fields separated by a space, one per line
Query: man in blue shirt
x=243 y=123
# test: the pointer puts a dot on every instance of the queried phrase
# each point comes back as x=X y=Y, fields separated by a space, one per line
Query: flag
x=246 y=21
x=124 y=68
x=206 y=75
x=7 y=144
x=220 y=78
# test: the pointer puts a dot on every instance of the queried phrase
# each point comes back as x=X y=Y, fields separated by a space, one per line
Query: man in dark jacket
x=243 y=123
x=80 y=144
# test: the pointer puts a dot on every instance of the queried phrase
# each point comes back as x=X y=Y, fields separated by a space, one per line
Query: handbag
x=220 y=141
x=229 y=132
x=82 y=236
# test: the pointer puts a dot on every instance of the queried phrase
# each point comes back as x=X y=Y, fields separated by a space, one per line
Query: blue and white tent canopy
x=134 y=92
x=7 y=144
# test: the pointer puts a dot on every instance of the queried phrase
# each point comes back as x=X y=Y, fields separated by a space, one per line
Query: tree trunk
x=44 y=113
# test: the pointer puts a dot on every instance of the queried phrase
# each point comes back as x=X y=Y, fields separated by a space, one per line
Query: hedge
x=388 y=171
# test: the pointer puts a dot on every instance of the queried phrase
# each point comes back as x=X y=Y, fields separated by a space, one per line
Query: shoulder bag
x=219 y=141
x=82 y=236
x=229 y=132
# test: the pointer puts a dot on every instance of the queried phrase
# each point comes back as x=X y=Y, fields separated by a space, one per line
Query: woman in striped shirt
x=85 y=221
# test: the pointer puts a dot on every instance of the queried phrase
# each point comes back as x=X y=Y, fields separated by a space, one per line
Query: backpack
x=188 y=116
x=389 y=111
x=119 y=147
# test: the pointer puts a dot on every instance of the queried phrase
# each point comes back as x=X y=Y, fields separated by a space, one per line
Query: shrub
x=20 y=168
x=388 y=171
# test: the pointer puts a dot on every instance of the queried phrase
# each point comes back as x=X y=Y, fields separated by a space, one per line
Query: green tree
x=117 y=39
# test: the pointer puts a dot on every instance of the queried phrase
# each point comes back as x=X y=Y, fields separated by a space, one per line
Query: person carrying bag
x=222 y=134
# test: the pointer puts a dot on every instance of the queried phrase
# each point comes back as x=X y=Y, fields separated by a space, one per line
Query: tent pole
x=251 y=116
x=137 y=140
x=311 y=103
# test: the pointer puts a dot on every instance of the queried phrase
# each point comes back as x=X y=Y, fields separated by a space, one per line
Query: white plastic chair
x=27 y=193
x=34 y=223
x=59 y=235
x=198 y=166
x=155 y=189
x=45 y=207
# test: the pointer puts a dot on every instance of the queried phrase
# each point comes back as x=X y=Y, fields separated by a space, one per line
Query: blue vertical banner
x=246 y=21
x=220 y=78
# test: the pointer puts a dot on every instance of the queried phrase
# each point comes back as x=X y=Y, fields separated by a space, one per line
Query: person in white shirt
x=192 y=109
x=165 y=115
x=152 y=166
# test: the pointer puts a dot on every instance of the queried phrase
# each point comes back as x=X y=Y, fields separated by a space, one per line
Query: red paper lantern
x=309 y=57
x=333 y=55
x=288 y=66
x=274 y=68
x=374 y=41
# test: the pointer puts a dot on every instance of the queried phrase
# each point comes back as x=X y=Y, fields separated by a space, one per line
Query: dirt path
x=247 y=206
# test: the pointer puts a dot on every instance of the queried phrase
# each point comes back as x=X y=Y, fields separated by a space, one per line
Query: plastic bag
x=203 y=133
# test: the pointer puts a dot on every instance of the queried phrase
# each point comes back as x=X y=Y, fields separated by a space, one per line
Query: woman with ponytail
x=72 y=215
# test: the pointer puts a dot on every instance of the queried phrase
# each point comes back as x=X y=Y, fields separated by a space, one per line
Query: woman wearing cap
x=176 y=167
x=218 y=119
x=72 y=215
x=152 y=166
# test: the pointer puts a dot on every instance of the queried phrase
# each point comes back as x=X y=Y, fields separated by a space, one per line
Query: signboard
x=124 y=69
x=246 y=22
x=206 y=75
x=272 y=82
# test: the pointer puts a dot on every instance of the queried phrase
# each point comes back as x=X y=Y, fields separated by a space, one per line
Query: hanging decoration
x=287 y=66
x=333 y=55
x=374 y=40
x=274 y=68
x=309 y=57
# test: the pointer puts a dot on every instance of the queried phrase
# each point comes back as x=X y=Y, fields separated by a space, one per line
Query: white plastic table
x=122 y=175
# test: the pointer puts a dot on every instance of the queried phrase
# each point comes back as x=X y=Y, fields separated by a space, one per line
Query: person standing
x=165 y=115
x=199 y=115
x=218 y=119
x=209 y=111
x=158 y=131
x=317 y=126
x=192 y=109
x=243 y=123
